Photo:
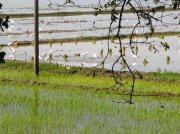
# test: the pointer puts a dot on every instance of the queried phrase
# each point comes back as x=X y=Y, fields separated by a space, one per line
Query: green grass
x=66 y=101
x=54 y=75
x=166 y=75
x=34 y=109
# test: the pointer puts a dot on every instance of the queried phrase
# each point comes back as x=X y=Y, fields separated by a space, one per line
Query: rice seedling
x=102 y=65
x=161 y=36
x=61 y=42
x=42 y=108
x=35 y=109
x=50 y=43
x=50 y=57
x=77 y=54
x=94 y=40
x=124 y=51
x=15 y=44
x=123 y=65
x=150 y=47
x=65 y=57
x=158 y=70
x=32 y=59
x=145 y=62
x=112 y=38
x=168 y=59
x=136 y=49
x=110 y=51
x=32 y=43
x=101 y=52
x=165 y=45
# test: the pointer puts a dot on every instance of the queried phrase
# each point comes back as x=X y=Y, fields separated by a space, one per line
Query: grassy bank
x=94 y=38
x=74 y=13
x=83 y=78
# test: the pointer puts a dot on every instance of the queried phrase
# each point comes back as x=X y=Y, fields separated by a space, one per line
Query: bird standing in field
x=94 y=55
x=10 y=43
x=134 y=55
x=46 y=55
x=84 y=54
x=12 y=50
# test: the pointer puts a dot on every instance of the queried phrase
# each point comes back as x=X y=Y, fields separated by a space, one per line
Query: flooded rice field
x=26 y=6
x=82 y=25
x=92 y=52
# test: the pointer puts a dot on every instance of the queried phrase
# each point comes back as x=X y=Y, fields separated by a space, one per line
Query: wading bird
x=137 y=31
x=46 y=55
x=12 y=21
x=134 y=64
x=94 y=55
x=31 y=35
x=13 y=51
x=84 y=54
x=10 y=28
x=11 y=43
x=134 y=55
x=75 y=36
x=12 y=57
